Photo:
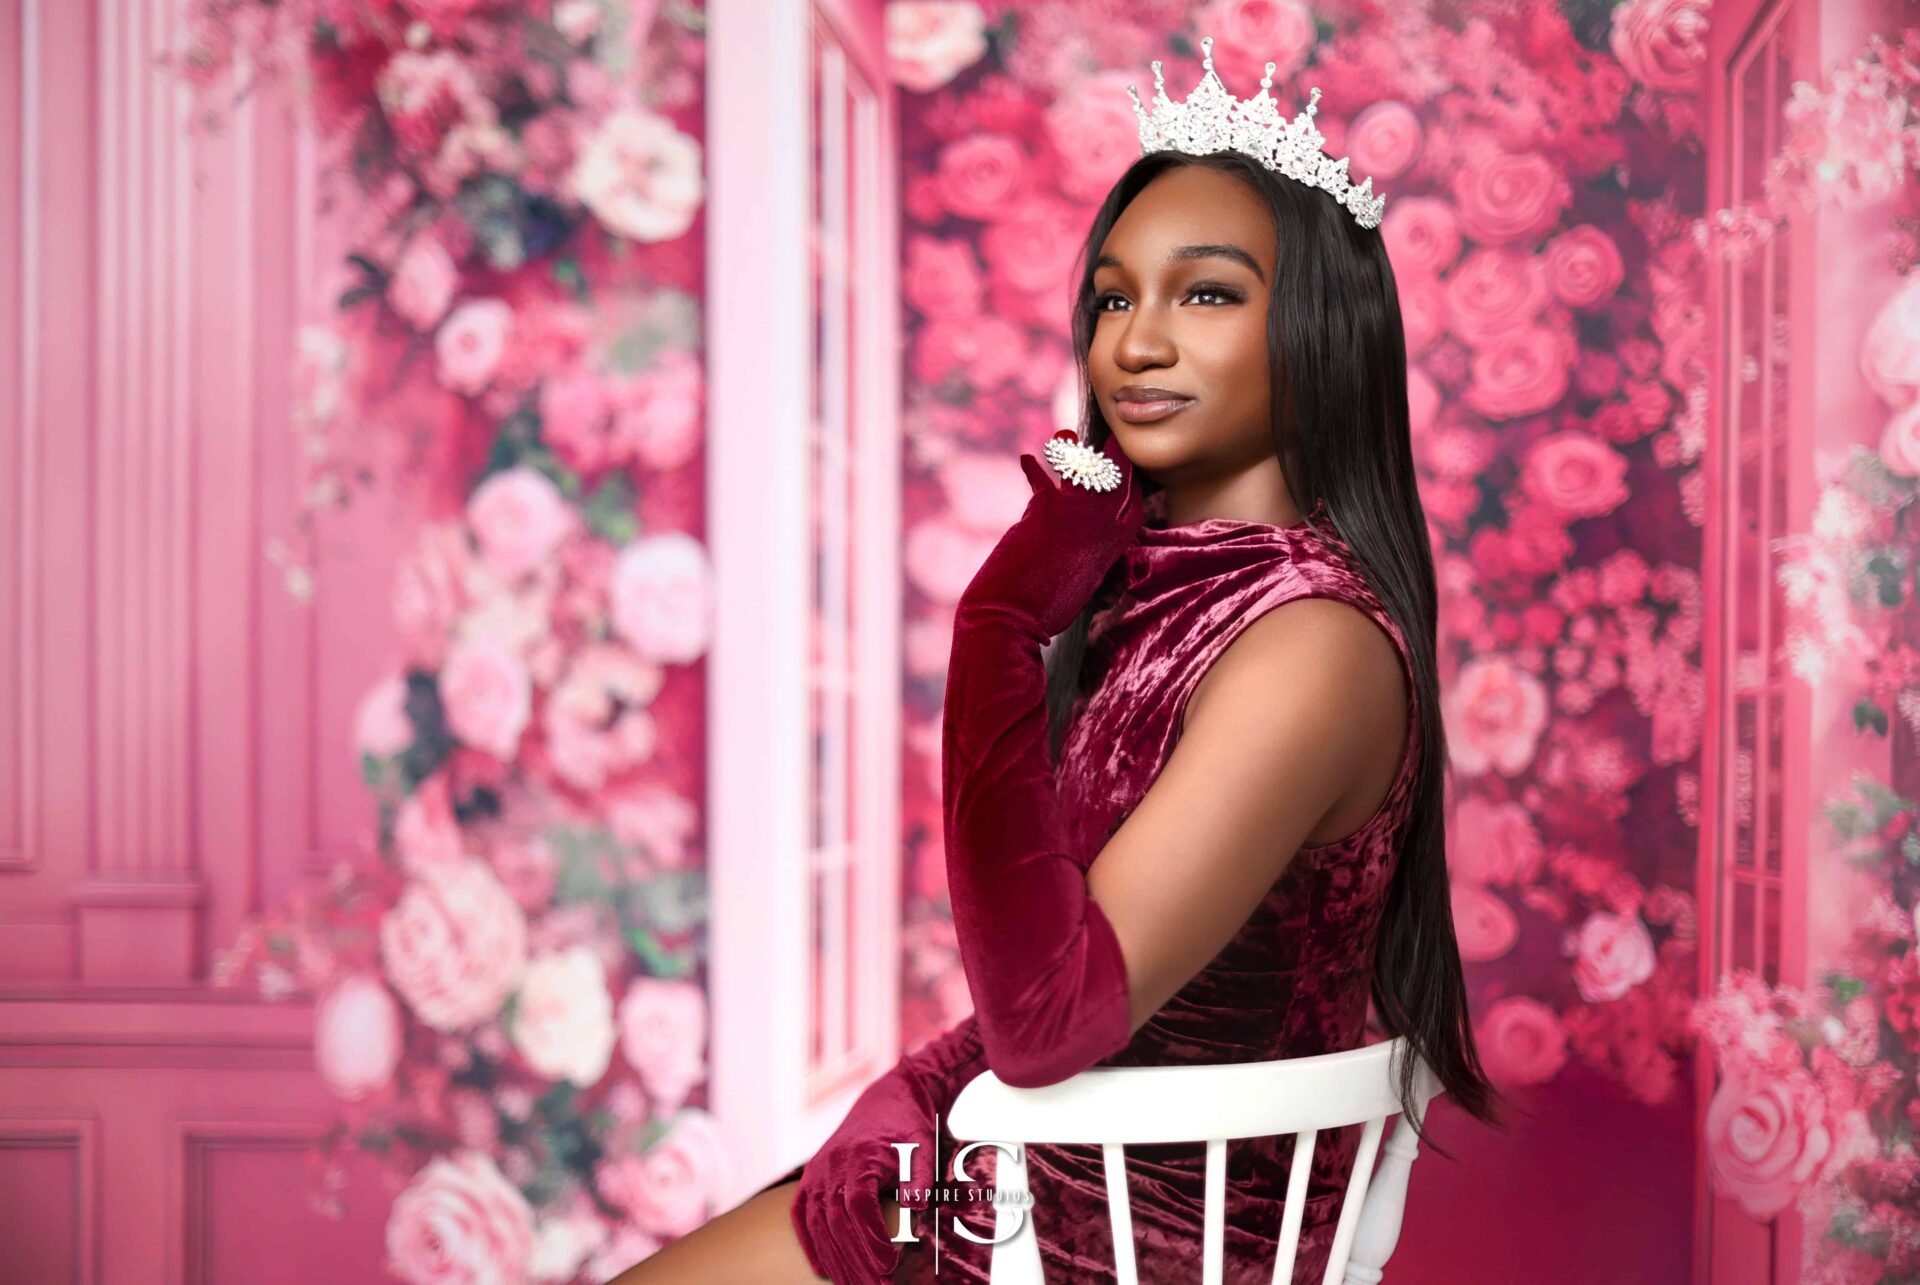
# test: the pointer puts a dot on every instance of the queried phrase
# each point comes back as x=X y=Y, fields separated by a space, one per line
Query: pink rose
x=597 y=721
x=1615 y=954
x=487 y=694
x=942 y=278
x=978 y=175
x=429 y=591
x=670 y=1188
x=1494 y=715
x=381 y=727
x=526 y=868
x=640 y=176
x=1576 y=473
x=469 y=344
x=1890 y=363
x=655 y=818
x=1662 y=43
x=1493 y=842
x=574 y=409
x=663 y=1032
x=1583 y=266
x=460 y=1222
x=929 y=42
x=423 y=282
x=943 y=556
x=1423 y=312
x=1900 y=442
x=563 y=1017
x=1519 y=373
x=1095 y=134
x=658 y=418
x=424 y=828
x=1509 y=196
x=518 y=518
x=1493 y=292
x=1250 y=33
x=1384 y=141
x=1031 y=246
x=1485 y=926
x=1521 y=1041
x=453 y=945
x=662 y=597
x=986 y=351
x=356 y=1036
x=1766 y=1135
x=1422 y=235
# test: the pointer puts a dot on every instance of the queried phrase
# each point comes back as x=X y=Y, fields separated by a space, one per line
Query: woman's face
x=1180 y=304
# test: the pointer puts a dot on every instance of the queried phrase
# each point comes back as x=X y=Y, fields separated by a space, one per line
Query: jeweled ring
x=1081 y=464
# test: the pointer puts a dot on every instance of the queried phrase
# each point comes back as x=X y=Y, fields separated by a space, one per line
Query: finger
x=1037 y=475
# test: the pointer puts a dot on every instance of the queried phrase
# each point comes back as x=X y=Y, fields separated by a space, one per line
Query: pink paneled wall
x=173 y=723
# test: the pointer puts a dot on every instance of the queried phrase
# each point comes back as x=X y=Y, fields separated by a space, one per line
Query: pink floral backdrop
x=511 y=1005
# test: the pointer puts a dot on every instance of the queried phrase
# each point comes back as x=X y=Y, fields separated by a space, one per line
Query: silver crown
x=1212 y=120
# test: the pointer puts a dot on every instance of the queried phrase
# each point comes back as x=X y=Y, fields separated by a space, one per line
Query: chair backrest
x=1113 y=1107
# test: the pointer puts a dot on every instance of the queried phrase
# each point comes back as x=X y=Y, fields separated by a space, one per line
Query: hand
x=837 y=1208
x=1048 y=564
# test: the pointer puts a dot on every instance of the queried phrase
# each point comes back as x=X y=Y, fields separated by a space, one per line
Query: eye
x=1225 y=293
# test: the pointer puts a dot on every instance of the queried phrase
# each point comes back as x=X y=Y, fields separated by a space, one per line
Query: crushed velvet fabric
x=1293 y=982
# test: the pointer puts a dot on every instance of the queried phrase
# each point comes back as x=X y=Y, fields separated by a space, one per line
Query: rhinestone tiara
x=1212 y=120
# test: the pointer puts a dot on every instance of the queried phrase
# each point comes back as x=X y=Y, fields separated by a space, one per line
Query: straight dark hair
x=1337 y=356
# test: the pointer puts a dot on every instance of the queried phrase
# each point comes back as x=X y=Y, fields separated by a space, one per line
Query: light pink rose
x=625 y=1246
x=929 y=42
x=381 y=727
x=424 y=94
x=943 y=556
x=640 y=176
x=1576 y=473
x=597 y=721
x=1095 y=134
x=1583 y=266
x=1615 y=954
x=429 y=591
x=356 y=1036
x=1484 y=924
x=562 y=1242
x=662 y=597
x=526 y=868
x=1521 y=1041
x=1494 y=714
x=978 y=175
x=1509 y=196
x=658 y=418
x=563 y=1017
x=487 y=694
x=1494 y=292
x=655 y=818
x=1031 y=245
x=1384 y=141
x=670 y=1188
x=1766 y=1136
x=1662 y=43
x=424 y=828
x=460 y=1222
x=423 y=282
x=986 y=351
x=1847 y=143
x=1493 y=842
x=1422 y=235
x=518 y=518
x=663 y=1033
x=453 y=945
x=1247 y=34
x=469 y=344
x=1890 y=363
x=574 y=409
x=1520 y=373
x=941 y=278
x=1423 y=313
x=1900 y=442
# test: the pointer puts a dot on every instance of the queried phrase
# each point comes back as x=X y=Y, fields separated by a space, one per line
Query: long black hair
x=1337 y=357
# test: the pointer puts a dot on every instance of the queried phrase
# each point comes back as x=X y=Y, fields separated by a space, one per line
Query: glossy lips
x=1143 y=404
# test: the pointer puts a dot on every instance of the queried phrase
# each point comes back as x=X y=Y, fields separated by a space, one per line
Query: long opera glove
x=1048 y=979
x=836 y=1210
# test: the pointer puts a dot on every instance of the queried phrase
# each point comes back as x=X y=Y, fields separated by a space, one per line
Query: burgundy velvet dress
x=1293 y=982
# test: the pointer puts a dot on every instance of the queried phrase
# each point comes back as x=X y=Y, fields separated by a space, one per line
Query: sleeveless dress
x=1293 y=982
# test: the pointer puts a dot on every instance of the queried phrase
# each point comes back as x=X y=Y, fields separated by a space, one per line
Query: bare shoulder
x=1321 y=662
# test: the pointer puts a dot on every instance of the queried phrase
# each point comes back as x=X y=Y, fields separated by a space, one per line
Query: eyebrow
x=1180 y=253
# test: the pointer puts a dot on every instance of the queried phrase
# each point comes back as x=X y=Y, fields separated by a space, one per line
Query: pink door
x=173 y=721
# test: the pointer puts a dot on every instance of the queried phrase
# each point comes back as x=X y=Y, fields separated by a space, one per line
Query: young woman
x=1207 y=827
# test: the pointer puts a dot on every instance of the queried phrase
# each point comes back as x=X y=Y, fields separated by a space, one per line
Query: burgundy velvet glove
x=1048 y=980
x=836 y=1209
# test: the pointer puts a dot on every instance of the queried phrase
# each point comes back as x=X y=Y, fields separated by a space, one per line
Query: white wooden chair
x=1114 y=1106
